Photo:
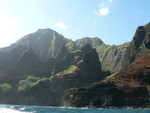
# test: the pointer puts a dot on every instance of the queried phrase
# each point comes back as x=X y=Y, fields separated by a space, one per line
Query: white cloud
x=104 y=8
x=61 y=25
x=8 y=28
x=104 y=11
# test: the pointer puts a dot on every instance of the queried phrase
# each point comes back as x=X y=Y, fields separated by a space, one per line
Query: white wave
x=7 y=110
x=11 y=107
x=64 y=107
x=22 y=109
x=84 y=108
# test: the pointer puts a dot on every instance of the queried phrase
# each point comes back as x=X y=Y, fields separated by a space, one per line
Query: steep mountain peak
x=93 y=41
x=86 y=47
x=140 y=43
x=142 y=37
x=139 y=36
x=45 y=30
x=39 y=34
x=71 y=45
x=49 y=33
x=91 y=57
x=44 y=42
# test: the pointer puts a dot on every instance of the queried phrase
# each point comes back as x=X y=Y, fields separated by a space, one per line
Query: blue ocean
x=47 y=109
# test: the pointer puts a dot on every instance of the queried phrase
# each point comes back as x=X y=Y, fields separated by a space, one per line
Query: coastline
x=87 y=107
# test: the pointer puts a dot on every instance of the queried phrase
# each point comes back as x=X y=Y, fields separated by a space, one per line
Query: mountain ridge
x=47 y=42
x=64 y=70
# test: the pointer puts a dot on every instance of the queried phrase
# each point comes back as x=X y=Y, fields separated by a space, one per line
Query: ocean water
x=45 y=109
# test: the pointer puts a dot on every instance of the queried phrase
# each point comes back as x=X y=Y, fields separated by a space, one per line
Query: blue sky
x=113 y=21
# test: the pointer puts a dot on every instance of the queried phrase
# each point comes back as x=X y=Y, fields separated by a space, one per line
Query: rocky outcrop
x=130 y=87
x=140 y=43
x=84 y=70
x=8 y=59
x=113 y=58
x=28 y=61
x=21 y=61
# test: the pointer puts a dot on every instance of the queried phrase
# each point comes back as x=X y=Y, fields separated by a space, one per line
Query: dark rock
x=129 y=87
x=139 y=36
x=140 y=43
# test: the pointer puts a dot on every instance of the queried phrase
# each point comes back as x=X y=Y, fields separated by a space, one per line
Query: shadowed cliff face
x=139 y=36
x=8 y=59
x=147 y=41
x=86 y=69
x=140 y=43
x=19 y=61
x=142 y=36
x=129 y=87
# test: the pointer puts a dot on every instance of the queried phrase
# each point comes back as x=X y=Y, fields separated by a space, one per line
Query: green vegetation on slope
x=113 y=58
x=27 y=83
x=70 y=70
x=5 y=86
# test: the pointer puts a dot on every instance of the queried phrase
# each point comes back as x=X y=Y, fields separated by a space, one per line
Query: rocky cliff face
x=84 y=69
x=17 y=63
x=21 y=62
x=84 y=72
x=140 y=43
x=129 y=87
x=113 y=58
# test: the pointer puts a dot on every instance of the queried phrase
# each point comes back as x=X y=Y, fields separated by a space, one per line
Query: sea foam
x=8 y=110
